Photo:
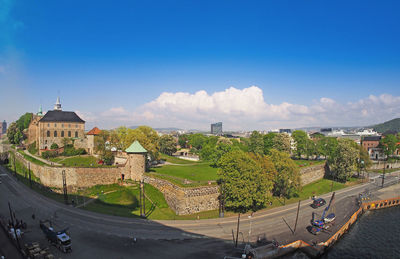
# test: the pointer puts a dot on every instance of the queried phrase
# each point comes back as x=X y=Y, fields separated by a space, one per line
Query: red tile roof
x=95 y=131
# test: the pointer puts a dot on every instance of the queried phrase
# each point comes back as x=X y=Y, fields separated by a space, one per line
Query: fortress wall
x=187 y=200
x=312 y=173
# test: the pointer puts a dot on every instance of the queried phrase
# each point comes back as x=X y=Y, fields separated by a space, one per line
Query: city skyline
x=255 y=66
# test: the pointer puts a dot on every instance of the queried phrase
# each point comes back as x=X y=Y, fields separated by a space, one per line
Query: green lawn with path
x=176 y=160
x=196 y=174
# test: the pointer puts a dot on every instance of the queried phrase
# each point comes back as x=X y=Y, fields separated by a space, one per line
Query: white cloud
x=247 y=109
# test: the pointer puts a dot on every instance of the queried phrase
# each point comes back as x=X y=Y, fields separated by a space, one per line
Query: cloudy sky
x=250 y=64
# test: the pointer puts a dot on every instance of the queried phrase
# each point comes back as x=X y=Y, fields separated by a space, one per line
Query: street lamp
x=250 y=216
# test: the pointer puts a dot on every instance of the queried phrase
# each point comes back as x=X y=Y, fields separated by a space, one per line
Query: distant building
x=371 y=144
x=3 y=128
x=288 y=131
x=216 y=128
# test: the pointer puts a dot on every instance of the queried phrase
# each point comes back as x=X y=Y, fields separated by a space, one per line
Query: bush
x=54 y=146
x=32 y=148
x=108 y=158
x=69 y=150
x=49 y=154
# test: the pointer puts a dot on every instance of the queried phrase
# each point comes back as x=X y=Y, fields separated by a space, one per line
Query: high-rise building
x=216 y=128
x=3 y=128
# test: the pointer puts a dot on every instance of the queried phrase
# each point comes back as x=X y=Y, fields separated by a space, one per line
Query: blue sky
x=298 y=63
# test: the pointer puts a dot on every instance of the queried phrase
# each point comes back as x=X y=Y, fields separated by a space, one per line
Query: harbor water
x=375 y=235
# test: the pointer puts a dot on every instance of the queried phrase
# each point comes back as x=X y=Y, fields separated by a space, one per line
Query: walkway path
x=41 y=159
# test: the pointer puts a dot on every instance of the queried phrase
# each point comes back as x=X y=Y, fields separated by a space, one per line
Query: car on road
x=318 y=203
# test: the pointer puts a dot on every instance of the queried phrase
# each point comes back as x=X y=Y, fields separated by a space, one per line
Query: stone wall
x=76 y=177
x=381 y=164
x=187 y=200
x=312 y=173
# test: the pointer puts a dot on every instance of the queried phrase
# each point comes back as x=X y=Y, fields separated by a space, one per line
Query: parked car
x=318 y=203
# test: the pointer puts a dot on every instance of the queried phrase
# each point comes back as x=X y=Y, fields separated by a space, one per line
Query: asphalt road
x=102 y=236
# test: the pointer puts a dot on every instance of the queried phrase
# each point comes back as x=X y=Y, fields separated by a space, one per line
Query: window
x=45 y=142
x=69 y=134
x=55 y=133
x=62 y=134
x=48 y=124
x=69 y=125
x=55 y=124
x=76 y=134
x=48 y=133
x=76 y=126
x=62 y=125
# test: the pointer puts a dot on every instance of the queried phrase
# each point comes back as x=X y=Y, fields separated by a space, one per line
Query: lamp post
x=250 y=216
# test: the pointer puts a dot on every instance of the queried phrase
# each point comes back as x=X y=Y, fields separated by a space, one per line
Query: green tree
x=364 y=161
x=389 y=144
x=167 y=144
x=287 y=181
x=256 y=144
x=23 y=121
x=244 y=183
x=108 y=157
x=282 y=142
x=268 y=142
x=54 y=146
x=301 y=140
x=100 y=142
x=11 y=131
x=197 y=141
x=344 y=160
x=182 y=140
x=18 y=137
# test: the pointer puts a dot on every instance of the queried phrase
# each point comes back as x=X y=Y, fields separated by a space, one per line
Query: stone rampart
x=381 y=164
x=76 y=177
x=187 y=200
x=312 y=173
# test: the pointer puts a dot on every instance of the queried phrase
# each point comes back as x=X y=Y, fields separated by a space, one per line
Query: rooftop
x=95 y=131
x=61 y=116
x=135 y=148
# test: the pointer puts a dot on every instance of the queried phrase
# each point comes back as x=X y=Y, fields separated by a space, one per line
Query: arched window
x=55 y=133
x=48 y=133
x=69 y=134
x=62 y=134
x=76 y=134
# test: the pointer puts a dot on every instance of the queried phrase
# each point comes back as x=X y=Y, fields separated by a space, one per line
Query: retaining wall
x=312 y=173
x=381 y=164
x=76 y=177
x=187 y=200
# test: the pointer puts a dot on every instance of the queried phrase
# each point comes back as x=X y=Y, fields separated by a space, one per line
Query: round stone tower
x=136 y=163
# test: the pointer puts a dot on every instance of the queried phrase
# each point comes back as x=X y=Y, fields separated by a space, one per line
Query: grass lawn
x=306 y=163
x=380 y=171
x=81 y=161
x=176 y=160
x=198 y=174
x=31 y=159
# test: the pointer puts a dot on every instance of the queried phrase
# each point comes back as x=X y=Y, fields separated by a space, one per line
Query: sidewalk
x=41 y=159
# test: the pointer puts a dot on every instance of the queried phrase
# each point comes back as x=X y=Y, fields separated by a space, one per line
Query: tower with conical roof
x=40 y=111
x=136 y=163
x=57 y=105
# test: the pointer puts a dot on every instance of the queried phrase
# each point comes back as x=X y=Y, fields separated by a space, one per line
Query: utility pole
x=30 y=177
x=15 y=168
x=297 y=217
x=140 y=197
x=221 y=201
x=144 y=201
x=237 y=230
x=13 y=225
x=64 y=178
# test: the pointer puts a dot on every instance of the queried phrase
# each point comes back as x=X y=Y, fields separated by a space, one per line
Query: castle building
x=54 y=127
x=3 y=128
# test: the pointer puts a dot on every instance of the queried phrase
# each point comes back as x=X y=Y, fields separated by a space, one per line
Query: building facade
x=54 y=127
x=216 y=128
x=3 y=128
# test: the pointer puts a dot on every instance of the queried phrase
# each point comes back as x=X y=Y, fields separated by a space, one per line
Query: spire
x=40 y=112
x=57 y=106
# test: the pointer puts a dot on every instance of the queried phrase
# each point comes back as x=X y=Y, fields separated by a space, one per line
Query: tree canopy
x=245 y=184
x=167 y=144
